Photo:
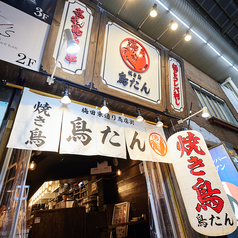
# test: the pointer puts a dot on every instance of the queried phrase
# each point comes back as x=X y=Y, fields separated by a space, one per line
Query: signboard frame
x=97 y=79
x=182 y=113
x=48 y=60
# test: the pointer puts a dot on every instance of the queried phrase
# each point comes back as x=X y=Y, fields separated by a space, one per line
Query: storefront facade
x=134 y=74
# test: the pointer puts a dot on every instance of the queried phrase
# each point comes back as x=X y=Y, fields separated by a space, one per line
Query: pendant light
x=159 y=122
x=139 y=116
x=153 y=12
x=104 y=109
x=32 y=165
x=118 y=172
x=65 y=99
x=188 y=36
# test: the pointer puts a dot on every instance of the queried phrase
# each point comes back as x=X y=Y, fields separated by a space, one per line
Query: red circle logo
x=158 y=144
x=134 y=55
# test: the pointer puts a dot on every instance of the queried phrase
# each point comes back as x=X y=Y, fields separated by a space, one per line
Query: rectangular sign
x=22 y=36
x=78 y=18
x=130 y=64
x=42 y=10
x=175 y=85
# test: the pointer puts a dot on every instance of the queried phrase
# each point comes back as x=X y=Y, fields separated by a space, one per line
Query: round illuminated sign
x=158 y=144
x=134 y=55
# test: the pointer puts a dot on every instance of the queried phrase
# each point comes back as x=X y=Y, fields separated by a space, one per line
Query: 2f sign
x=24 y=60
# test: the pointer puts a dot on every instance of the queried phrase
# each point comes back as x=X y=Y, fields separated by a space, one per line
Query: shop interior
x=84 y=190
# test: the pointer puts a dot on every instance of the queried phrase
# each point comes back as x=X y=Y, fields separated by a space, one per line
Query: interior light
x=153 y=12
x=32 y=165
x=118 y=172
x=188 y=36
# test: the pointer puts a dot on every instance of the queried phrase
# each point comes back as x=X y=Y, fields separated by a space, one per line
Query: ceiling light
x=32 y=165
x=188 y=36
x=139 y=116
x=173 y=25
x=153 y=12
x=159 y=122
x=167 y=9
x=104 y=108
x=65 y=99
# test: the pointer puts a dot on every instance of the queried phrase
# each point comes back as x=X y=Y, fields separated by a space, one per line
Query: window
x=231 y=92
x=215 y=105
x=5 y=98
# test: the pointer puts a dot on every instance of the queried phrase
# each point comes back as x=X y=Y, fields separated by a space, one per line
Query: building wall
x=203 y=80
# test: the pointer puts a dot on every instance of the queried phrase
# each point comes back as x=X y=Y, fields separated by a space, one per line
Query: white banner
x=110 y=135
x=157 y=143
x=84 y=131
x=79 y=128
x=205 y=199
x=146 y=142
x=87 y=131
x=136 y=143
x=37 y=124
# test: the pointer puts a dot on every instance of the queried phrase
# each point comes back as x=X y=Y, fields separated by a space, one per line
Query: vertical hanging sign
x=206 y=203
x=175 y=85
x=130 y=64
x=37 y=124
x=78 y=18
x=24 y=27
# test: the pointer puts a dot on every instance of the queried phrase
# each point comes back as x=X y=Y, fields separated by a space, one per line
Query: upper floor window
x=215 y=105
x=231 y=92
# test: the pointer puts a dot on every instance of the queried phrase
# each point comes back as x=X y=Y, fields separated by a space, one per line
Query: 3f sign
x=39 y=13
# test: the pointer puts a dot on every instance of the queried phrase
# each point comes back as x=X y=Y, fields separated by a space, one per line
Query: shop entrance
x=96 y=195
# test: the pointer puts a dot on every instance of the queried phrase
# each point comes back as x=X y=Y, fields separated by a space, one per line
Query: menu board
x=121 y=215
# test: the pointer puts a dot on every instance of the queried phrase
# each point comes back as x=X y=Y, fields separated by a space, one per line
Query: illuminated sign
x=175 y=84
x=205 y=199
x=130 y=64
